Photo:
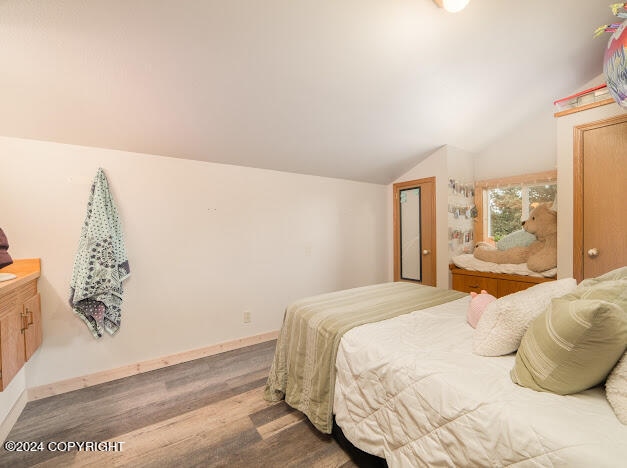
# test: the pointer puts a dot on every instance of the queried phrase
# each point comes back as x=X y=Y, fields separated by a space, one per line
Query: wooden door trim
x=578 y=134
x=397 y=187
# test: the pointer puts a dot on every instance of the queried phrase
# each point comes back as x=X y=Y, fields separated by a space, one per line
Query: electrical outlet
x=247 y=316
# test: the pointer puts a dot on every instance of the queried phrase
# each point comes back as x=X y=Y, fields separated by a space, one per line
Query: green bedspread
x=303 y=370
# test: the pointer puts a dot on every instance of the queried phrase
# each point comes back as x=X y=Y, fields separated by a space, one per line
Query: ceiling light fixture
x=452 y=6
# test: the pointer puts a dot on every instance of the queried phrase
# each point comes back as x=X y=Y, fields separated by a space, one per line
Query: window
x=503 y=204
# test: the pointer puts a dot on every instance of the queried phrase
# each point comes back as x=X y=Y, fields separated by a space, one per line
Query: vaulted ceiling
x=356 y=89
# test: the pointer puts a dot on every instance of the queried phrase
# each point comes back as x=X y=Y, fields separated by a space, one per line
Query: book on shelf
x=588 y=96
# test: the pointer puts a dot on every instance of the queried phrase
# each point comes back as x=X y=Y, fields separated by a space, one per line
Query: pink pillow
x=477 y=305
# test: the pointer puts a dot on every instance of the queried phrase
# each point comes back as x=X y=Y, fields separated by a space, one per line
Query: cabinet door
x=12 y=345
x=32 y=318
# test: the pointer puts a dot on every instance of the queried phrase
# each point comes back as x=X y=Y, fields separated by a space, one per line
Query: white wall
x=205 y=242
x=461 y=168
x=9 y=397
x=435 y=165
x=565 y=126
x=544 y=143
x=528 y=148
x=444 y=163
x=460 y=164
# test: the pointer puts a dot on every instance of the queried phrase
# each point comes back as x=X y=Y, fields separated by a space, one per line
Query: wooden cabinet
x=20 y=318
x=497 y=284
x=32 y=322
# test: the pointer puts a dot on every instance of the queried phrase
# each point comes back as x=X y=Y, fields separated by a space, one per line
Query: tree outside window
x=508 y=206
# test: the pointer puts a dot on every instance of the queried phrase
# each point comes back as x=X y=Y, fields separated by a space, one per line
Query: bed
x=409 y=389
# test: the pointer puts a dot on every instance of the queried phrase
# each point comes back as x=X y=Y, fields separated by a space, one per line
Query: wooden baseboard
x=76 y=383
x=10 y=420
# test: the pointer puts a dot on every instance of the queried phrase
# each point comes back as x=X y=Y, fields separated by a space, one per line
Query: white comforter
x=409 y=389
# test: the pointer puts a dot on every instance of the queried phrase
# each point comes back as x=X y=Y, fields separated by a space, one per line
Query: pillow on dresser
x=616 y=389
x=504 y=321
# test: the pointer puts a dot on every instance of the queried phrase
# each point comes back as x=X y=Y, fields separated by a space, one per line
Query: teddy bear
x=476 y=306
x=540 y=255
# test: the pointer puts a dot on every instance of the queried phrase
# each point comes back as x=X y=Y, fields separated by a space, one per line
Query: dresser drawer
x=468 y=284
x=509 y=287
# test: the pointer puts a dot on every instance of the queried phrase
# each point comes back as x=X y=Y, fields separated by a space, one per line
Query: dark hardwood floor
x=207 y=412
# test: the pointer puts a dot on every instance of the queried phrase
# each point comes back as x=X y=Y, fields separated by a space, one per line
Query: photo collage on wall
x=461 y=214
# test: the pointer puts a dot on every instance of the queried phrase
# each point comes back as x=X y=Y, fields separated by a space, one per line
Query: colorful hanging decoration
x=619 y=10
x=606 y=28
x=615 y=57
x=615 y=7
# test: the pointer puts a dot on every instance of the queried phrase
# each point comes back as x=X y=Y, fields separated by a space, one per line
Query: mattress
x=409 y=389
x=469 y=262
x=303 y=369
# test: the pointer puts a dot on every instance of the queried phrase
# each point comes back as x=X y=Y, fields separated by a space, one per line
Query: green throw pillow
x=520 y=238
x=618 y=274
x=574 y=344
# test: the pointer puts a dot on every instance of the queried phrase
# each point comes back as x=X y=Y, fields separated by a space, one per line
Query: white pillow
x=505 y=321
x=616 y=389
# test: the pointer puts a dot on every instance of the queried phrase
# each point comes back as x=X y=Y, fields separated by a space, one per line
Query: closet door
x=414 y=231
x=600 y=204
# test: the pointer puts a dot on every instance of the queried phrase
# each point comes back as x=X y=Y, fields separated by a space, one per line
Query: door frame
x=428 y=229
x=578 y=214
